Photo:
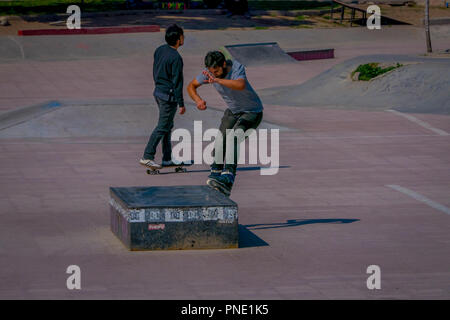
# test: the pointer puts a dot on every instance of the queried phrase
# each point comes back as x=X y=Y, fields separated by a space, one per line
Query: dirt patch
x=414 y=14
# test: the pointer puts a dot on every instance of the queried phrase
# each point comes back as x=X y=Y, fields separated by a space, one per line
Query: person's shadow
x=248 y=239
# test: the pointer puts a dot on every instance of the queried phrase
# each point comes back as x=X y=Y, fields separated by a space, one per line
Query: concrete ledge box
x=173 y=217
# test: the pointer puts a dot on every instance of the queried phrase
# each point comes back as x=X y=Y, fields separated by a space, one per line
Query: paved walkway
x=345 y=198
x=320 y=222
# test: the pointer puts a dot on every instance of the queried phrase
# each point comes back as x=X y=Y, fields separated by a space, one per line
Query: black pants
x=162 y=131
x=242 y=120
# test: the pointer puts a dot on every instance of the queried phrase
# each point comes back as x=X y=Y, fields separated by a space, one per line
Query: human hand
x=201 y=105
x=210 y=77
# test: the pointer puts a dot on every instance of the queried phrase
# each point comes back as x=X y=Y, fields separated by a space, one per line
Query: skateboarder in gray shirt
x=245 y=110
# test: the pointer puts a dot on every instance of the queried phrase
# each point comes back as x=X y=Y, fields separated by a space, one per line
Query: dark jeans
x=242 y=120
x=162 y=131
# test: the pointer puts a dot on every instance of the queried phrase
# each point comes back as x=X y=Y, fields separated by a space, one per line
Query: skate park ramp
x=106 y=119
x=421 y=85
x=254 y=54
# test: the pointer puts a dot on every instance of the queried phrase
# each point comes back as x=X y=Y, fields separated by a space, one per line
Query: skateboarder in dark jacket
x=168 y=93
x=244 y=109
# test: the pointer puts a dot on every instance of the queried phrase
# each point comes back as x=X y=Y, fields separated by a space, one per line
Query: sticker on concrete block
x=136 y=216
x=174 y=215
x=154 y=215
x=226 y=221
x=216 y=213
x=132 y=215
x=157 y=226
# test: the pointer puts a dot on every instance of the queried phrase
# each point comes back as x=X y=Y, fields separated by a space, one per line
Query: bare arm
x=237 y=84
x=192 y=91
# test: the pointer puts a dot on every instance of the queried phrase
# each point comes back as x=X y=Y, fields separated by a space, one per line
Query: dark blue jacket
x=168 y=74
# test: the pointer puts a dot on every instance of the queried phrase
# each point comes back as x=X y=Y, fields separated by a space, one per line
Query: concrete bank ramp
x=420 y=86
x=252 y=54
x=135 y=118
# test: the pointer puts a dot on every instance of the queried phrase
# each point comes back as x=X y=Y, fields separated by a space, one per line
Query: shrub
x=371 y=70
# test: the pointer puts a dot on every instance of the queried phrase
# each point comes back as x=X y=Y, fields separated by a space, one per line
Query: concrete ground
x=357 y=187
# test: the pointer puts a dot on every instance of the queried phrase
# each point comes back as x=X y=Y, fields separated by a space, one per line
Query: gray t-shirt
x=237 y=100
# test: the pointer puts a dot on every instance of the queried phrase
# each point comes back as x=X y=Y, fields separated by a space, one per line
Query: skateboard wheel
x=152 y=172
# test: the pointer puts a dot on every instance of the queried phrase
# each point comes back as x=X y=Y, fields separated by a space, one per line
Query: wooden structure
x=354 y=8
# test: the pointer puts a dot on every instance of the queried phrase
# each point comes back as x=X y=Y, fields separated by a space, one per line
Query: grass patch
x=371 y=70
x=301 y=18
x=261 y=28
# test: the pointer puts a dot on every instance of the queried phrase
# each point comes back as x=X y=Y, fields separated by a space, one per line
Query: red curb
x=101 y=30
x=312 y=54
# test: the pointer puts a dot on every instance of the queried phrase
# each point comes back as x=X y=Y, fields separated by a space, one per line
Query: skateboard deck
x=179 y=168
x=217 y=186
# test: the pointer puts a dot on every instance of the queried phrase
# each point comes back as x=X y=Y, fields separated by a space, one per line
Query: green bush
x=301 y=18
x=371 y=70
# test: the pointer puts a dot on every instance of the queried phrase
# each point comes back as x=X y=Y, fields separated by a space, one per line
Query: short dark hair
x=173 y=33
x=214 y=59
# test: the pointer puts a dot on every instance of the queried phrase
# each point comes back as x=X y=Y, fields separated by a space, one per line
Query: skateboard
x=217 y=186
x=179 y=168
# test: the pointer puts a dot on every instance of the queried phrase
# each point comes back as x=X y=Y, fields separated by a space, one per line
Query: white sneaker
x=171 y=163
x=150 y=163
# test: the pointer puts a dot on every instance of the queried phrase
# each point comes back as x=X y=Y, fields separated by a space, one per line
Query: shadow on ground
x=248 y=239
x=384 y=21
